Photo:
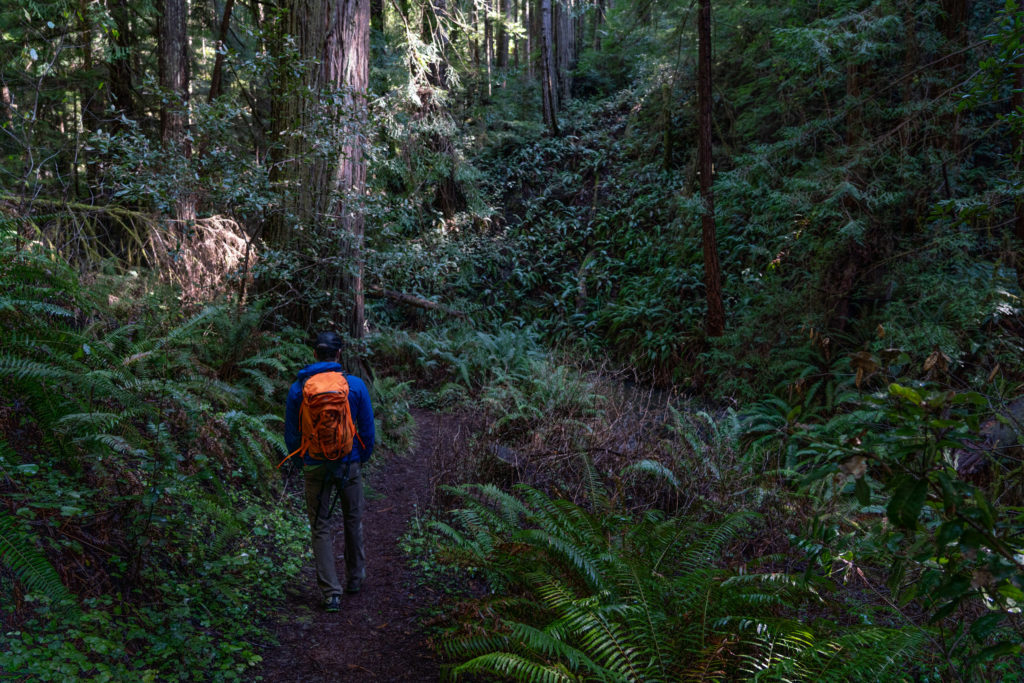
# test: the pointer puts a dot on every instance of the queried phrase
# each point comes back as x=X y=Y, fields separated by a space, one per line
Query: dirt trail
x=377 y=635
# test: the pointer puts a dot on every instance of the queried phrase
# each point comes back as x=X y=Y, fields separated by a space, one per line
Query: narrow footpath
x=377 y=635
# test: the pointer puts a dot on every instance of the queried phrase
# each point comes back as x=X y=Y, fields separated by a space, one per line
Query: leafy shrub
x=395 y=424
x=138 y=449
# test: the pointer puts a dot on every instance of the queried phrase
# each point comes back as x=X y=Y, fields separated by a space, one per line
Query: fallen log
x=412 y=300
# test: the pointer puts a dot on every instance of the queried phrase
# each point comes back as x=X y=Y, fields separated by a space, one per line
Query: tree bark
x=715 y=324
x=331 y=37
x=532 y=31
x=516 y=42
x=413 y=300
x=6 y=104
x=174 y=78
x=502 y=47
x=488 y=42
x=474 y=44
x=119 y=67
x=449 y=198
x=92 y=99
x=216 y=81
x=548 y=74
x=953 y=22
x=565 y=47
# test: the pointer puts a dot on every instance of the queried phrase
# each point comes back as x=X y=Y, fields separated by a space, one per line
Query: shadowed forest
x=693 y=330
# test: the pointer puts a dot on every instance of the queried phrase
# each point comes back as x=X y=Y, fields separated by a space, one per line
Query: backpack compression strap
x=303 y=446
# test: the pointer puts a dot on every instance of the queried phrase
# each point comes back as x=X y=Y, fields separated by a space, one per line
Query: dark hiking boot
x=353 y=585
x=333 y=604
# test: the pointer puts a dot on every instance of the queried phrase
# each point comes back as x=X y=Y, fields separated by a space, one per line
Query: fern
x=515 y=667
x=619 y=598
x=18 y=553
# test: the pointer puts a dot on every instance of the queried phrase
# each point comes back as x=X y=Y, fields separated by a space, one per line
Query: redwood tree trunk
x=532 y=31
x=92 y=99
x=565 y=47
x=324 y=209
x=120 y=67
x=506 y=15
x=488 y=43
x=174 y=77
x=349 y=66
x=548 y=74
x=715 y=324
x=216 y=81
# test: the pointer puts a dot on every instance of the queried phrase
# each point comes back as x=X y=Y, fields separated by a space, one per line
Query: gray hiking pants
x=320 y=488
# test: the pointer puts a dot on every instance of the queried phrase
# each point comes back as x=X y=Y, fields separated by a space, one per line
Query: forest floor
x=377 y=635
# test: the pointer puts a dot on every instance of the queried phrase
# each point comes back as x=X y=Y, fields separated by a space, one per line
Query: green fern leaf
x=19 y=554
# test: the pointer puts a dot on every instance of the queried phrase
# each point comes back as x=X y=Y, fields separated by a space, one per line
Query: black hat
x=329 y=341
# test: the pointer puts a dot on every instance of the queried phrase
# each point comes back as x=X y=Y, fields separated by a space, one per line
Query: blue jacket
x=358 y=403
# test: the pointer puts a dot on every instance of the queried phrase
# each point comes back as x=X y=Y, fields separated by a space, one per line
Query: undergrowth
x=141 y=532
x=589 y=592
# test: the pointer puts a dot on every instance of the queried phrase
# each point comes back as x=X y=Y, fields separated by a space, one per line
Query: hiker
x=331 y=472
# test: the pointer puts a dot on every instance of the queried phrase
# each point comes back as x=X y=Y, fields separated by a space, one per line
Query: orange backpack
x=325 y=419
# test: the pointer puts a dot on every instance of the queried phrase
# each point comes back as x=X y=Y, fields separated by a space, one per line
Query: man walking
x=317 y=426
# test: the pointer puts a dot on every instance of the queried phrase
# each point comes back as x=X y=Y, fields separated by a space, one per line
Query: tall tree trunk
x=598 y=22
x=548 y=75
x=953 y=22
x=506 y=19
x=516 y=42
x=1017 y=105
x=119 y=67
x=174 y=77
x=350 y=67
x=474 y=44
x=532 y=31
x=911 y=58
x=488 y=42
x=331 y=37
x=449 y=197
x=565 y=47
x=92 y=98
x=715 y=324
x=216 y=81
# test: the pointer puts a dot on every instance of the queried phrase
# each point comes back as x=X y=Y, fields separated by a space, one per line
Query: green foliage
x=949 y=545
x=18 y=553
x=458 y=353
x=599 y=594
x=881 y=462
x=395 y=424
x=139 y=450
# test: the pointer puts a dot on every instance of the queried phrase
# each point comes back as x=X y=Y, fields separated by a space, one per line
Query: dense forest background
x=730 y=293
